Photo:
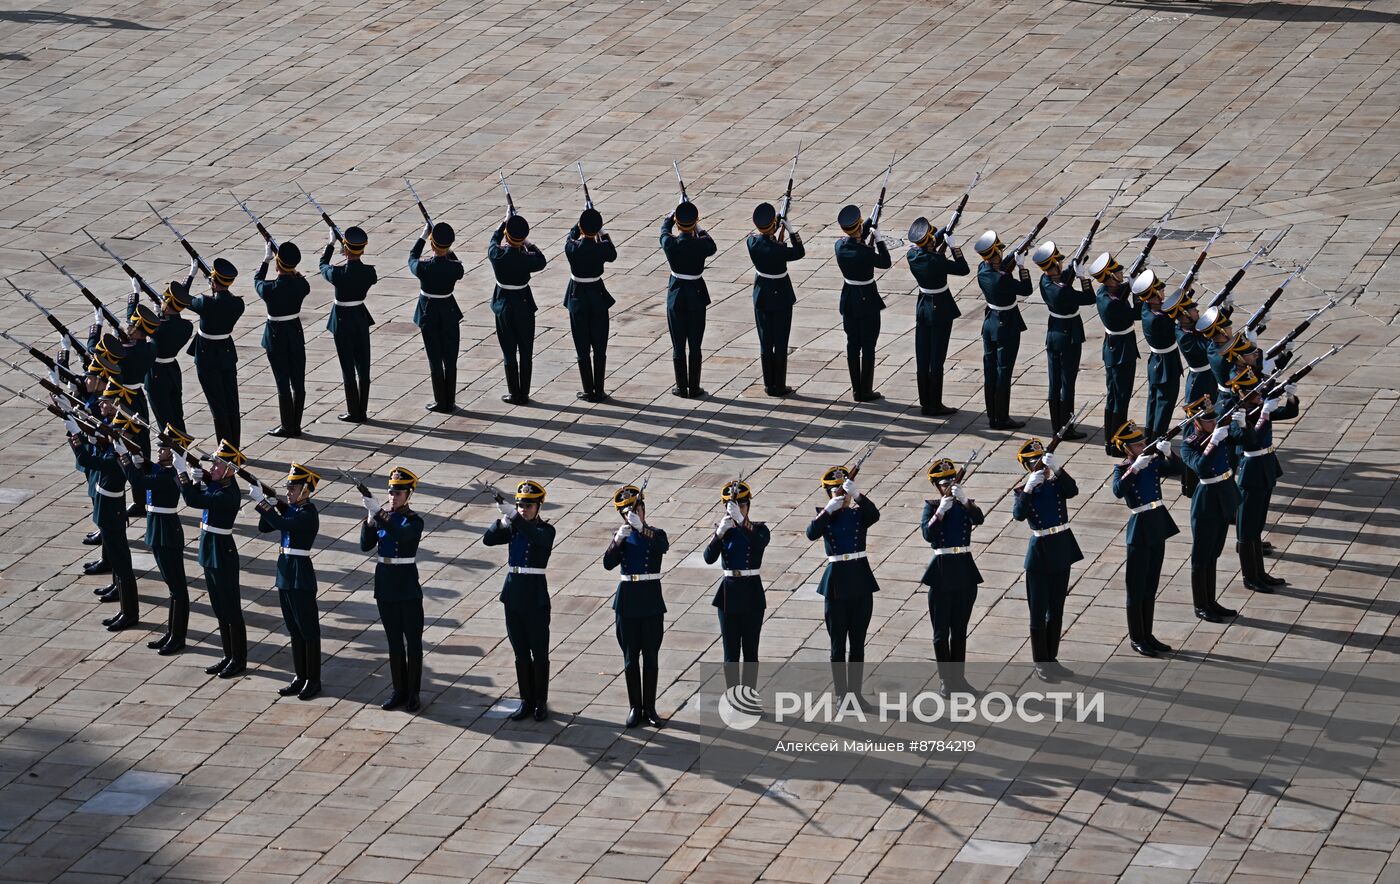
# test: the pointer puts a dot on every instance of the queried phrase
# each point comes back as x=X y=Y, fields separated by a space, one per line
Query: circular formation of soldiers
x=123 y=411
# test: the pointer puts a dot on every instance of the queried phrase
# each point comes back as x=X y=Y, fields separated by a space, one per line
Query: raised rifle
x=419 y=200
x=55 y=366
x=1255 y=323
x=787 y=197
x=1050 y=447
x=257 y=222
x=942 y=241
x=587 y=200
x=1083 y=251
x=191 y=451
x=94 y=301
x=874 y=236
x=325 y=216
x=1024 y=245
x=47 y=406
x=1190 y=277
x=59 y=327
x=1221 y=296
x=510 y=203
x=126 y=268
x=180 y=238
x=1273 y=383
x=862 y=457
x=1276 y=349
x=1141 y=263
x=685 y=198
x=359 y=485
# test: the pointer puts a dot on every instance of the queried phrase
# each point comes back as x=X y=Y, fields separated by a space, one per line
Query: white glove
x=53 y=375
x=959 y=494
x=194 y=267
x=427 y=231
x=256 y=493
x=1036 y=478
x=1269 y=366
x=1218 y=435
x=135 y=286
x=724 y=525
x=1141 y=462
x=1229 y=302
x=634 y=520
x=1272 y=405
x=67 y=342
x=331 y=237
x=951 y=240
x=506 y=509
x=849 y=486
x=71 y=425
x=268 y=253
x=834 y=504
x=1265 y=318
x=787 y=227
x=622 y=533
x=1050 y=461
x=1164 y=447
x=1080 y=272
x=1250 y=336
x=735 y=514
x=120 y=447
x=197 y=474
x=181 y=462
x=943 y=506
x=1291 y=389
x=1238 y=417
x=1021 y=260
x=370 y=506
x=96 y=316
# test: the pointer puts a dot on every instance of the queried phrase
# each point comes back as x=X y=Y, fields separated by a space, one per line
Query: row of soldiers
x=147 y=352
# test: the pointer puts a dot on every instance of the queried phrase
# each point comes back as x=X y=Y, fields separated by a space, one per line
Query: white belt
x=870 y=281
x=1160 y=350
x=515 y=569
x=501 y=285
x=214 y=529
x=105 y=493
x=138 y=388
x=1226 y=390
x=1074 y=315
x=1220 y=478
x=209 y=337
x=1193 y=368
x=782 y=275
x=939 y=290
x=688 y=276
x=1046 y=532
x=165 y=360
x=751 y=572
x=1146 y=506
x=846 y=557
x=386 y=560
x=1121 y=331
x=424 y=294
x=1260 y=453
x=287 y=318
x=288 y=551
x=635 y=578
x=585 y=279
x=952 y=550
x=162 y=510
x=360 y=303
x=991 y=306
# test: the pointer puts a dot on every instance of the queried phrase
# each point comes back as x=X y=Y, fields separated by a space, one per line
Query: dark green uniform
x=740 y=598
x=1120 y=356
x=216 y=361
x=639 y=610
x=951 y=576
x=296 y=582
x=934 y=313
x=1001 y=335
x=137 y=359
x=860 y=309
x=349 y=326
x=398 y=593
x=438 y=318
x=686 y=300
x=1149 y=526
x=1195 y=351
x=218 y=554
x=525 y=597
x=1215 y=502
x=848 y=586
x=1163 y=371
x=165 y=386
x=1050 y=552
x=588 y=301
x=514 y=305
x=109 y=512
x=773 y=300
x=284 y=341
x=1259 y=472
x=160 y=489
x=1064 y=340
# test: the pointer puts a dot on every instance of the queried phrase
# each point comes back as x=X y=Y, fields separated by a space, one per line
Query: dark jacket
x=218 y=314
x=771 y=257
x=394 y=536
x=954 y=530
x=844 y=533
x=1002 y=292
x=858 y=263
x=437 y=277
x=299 y=526
x=1044 y=509
x=740 y=549
x=686 y=254
x=220 y=502
x=931 y=271
x=352 y=282
x=1117 y=315
x=160 y=488
x=587 y=258
x=1061 y=297
x=530 y=542
x=109 y=487
x=1143 y=491
x=638 y=554
x=283 y=295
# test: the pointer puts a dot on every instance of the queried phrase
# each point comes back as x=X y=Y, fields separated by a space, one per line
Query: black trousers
x=774 y=331
x=931 y=338
x=116 y=551
x=847 y=621
x=352 y=349
x=1064 y=371
x=224 y=595
x=589 y=327
x=1118 y=384
x=165 y=389
x=640 y=640
x=950 y=610
x=403 y=628
x=686 y=322
x=441 y=343
x=1144 y=570
x=301 y=615
x=287 y=358
x=1252 y=514
x=528 y=632
x=218 y=376
x=515 y=332
x=170 y=562
x=999 y=359
x=739 y=632
x=862 y=334
x=1045 y=596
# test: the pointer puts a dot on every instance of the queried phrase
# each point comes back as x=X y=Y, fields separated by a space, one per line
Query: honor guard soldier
x=100 y=369
x=1215 y=502
x=298 y=523
x=638 y=608
x=215 y=359
x=283 y=338
x=1164 y=365
x=1001 y=325
x=1039 y=501
x=437 y=316
x=394 y=532
x=1137 y=481
x=1064 y=331
x=513 y=258
x=951 y=576
x=165 y=381
x=934 y=311
x=686 y=294
x=1213 y=326
x=159 y=486
x=848 y=584
x=588 y=249
x=215 y=491
x=1194 y=348
x=99 y=458
x=525 y=595
x=773 y=297
x=131 y=402
x=1259 y=471
x=1120 y=351
x=860 y=299
x=738 y=546
x=350 y=320
x=139 y=355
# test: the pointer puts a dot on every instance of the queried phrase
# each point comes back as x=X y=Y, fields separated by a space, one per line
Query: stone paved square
x=1264 y=116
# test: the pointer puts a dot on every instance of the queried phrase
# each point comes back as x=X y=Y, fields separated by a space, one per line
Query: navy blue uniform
x=1064 y=337
x=639 y=610
x=740 y=598
x=164 y=381
x=159 y=488
x=1195 y=352
x=99 y=462
x=1001 y=334
x=218 y=555
x=860 y=308
x=588 y=301
x=1216 y=499
x=848 y=584
x=951 y=576
x=513 y=303
x=1049 y=554
x=284 y=340
x=686 y=299
x=349 y=324
x=773 y=300
x=216 y=361
x=438 y=318
x=1120 y=356
x=1149 y=525
x=399 y=596
x=1163 y=371
x=525 y=594
x=296 y=582
x=934 y=312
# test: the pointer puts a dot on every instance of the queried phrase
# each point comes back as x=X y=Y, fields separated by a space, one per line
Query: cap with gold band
x=1146 y=285
x=1104 y=266
x=687 y=216
x=988 y=244
x=835 y=476
x=628 y=495
x=403 y=477
x=111 y=347
x=1128 y=432
x=229 y=452
x=765 y=218
x=943 y=468
x=1240 y=345
x=1031 y=451
x=302 y=474
x=1212 y=321
x=1046 y=254
x=737 y=491
x=223 y=272
x=529 y=491
x=127 y=423
x=442 y=236
x=1201 y=407
x=115 y=389
x=517 y=229
x=102 y=366
x=1243 y=381
x=178 y=436
x=176 y=295
x=1177 y=303
x=849 y=219
x=354 y=240
x=144 y=318
x=921 y=232
x=288 y=257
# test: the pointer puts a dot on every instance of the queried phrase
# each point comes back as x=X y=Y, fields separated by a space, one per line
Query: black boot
x=943 y=657
x=1215 y=606
x=958 y=646
x=1137 y=638
x=925 y=400
x=512 y=386
x=1249 y=569
x=633 y=676
x=311 y=657
x=524 y=676
x=585 y=376
x=600 y=371
x=1200 y=599
x=1053 y=629
x=1264 y=576
x=935 y=395
x=527 y=368
x=298 y=409
x=352 y=403
x=413 y=682
x=693 y=375
x=363 y=414
x=228 y=651
x=436 y=381
x=867 y=382
x=285 y=429
x=99 y=566
x=109 y=593
x=780 y=373
x=298 y=668
x=179 y=623
x=541 y=685
x=853 y=366
x=169 y=620
x=765 y=363
x=238 y=645
x=93 y=538
x=857 y=686
x=682 y=387
x=1149 y=609
x=1041 y=657
x=1110 y=426
x=396 y=675
x=838 y=680
x=1003 y=401
x=649 y=715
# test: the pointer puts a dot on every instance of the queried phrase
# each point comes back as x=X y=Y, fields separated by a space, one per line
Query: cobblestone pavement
x=117 y=763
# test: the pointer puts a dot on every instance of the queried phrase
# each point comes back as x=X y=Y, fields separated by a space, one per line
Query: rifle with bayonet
x=587 y=200
x=126 y=268
x=787 y=197
x=1083 y=251
x=59 y=327
x=874 y=235
x=685 y=198
x=941 y=243
x=419 y=200
x=257 y=222
x=1255 y=323
x=1190 y=277
x=87 y=424
x=180 y=238
x=1223 y=295
x=55 y=366
x=1050 y=447
x=1282 y=345
x=325 y=216
x=94 y=301
x=1141 y=263
x=1009 y=262
x=1270 y=384
x=190 y=451
x=862 y=457
x=510 y=203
